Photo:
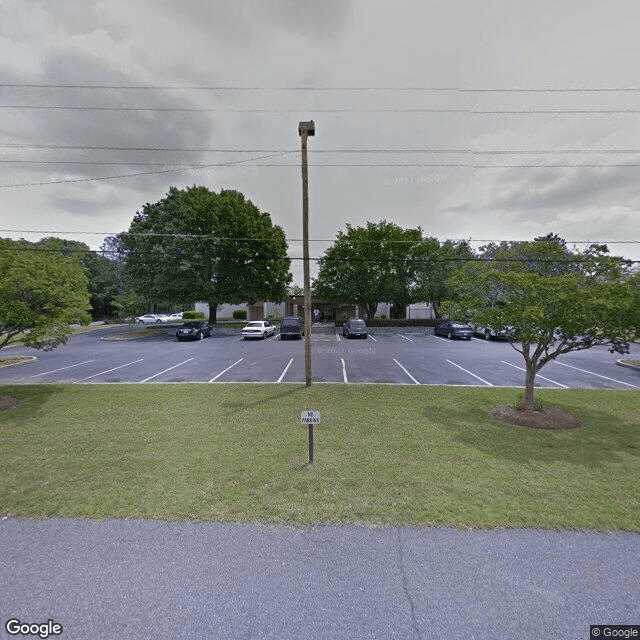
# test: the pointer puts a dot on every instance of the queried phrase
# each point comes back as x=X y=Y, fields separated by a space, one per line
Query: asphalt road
x=145 y=579
x=400 y=358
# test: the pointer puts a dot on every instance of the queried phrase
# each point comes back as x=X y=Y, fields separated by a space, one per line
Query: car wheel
x=179 y=339
x=487 y=334
x=449 y=335
x=468 y=337
x=200 y=335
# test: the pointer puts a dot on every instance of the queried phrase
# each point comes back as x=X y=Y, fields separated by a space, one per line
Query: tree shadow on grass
x=263 y=399
x=30 y=399
x=604 y=439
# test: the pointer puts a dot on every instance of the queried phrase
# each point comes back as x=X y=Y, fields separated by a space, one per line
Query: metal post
x=310 y=444
x=306 y=129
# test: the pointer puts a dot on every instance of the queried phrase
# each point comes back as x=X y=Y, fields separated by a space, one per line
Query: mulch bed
x=8 y=401
x=544 y=418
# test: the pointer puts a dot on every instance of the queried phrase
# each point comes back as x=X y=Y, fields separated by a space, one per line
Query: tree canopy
x=196 y=244
x=42 y=292
x=371 y=264
x=550 y=300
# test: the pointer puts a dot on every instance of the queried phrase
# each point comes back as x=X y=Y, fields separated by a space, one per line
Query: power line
x=338 y=259
x=483 y=112
x=357 y=241
x=20 y=85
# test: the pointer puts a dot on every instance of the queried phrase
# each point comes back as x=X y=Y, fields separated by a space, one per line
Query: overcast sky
x=390 y=76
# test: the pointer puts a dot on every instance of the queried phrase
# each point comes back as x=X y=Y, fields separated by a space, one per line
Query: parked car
x=258 y=329
x=174 y=317
x=454 y=329
x=488 y=333
x=292 y=327
x=354 y=328
x=194 y=330
x=150 y=318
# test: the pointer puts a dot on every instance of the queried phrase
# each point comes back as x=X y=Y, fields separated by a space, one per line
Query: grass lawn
x=384 y=455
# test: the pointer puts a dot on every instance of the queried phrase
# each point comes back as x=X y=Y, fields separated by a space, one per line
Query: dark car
x=354 y=328
x=291 y=327
x=454 y=329
x=195 y=330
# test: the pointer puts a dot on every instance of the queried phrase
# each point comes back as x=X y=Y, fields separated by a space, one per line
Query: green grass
x=384 y=455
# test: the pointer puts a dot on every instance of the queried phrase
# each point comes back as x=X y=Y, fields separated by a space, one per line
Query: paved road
x=145 y=579
x=401 y=358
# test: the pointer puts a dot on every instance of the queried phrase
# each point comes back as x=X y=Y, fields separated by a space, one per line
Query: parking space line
x=344 y=371
x=439 y=338
x=564 y=386
x=95 y=375
x=165 y=371
x=414 y=380
x=469 y=372
x=372 y=338
x=61 y=369
x=227 y=369
x=405 y=337
x=596 y=374
x=285 y=370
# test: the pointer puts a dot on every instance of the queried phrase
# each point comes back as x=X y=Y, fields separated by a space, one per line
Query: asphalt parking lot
x=390 y=358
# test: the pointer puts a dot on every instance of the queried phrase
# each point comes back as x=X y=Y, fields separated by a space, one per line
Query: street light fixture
x=305 y=129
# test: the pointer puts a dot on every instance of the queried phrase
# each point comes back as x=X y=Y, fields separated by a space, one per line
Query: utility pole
x=305 y=129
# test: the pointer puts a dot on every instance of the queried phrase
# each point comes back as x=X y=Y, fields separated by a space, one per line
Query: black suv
x=354 y=328
x=194 y=330
x=292 y=327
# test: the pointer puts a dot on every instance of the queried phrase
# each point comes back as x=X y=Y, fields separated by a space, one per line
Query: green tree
x=196 y=244
x=101 y=273
x=550 y=300
x=371 y=264
x=438 y=262
x=42 y=292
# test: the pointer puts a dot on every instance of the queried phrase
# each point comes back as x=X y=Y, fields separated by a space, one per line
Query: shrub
x=193 y=315
x=240 y=314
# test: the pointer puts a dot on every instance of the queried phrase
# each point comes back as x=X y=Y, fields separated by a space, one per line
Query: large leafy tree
x=550 y=300
x=101 y=272
x=196 y=244
x=371 y=264
x=438 y=262
x=42 y=292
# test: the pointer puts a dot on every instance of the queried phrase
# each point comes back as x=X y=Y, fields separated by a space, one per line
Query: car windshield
x=357 y=323
x=290 y=321
x=253 y=325
x=190 y=325
x=459 y=324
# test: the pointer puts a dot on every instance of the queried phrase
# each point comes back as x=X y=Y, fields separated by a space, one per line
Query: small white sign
x=310 y=417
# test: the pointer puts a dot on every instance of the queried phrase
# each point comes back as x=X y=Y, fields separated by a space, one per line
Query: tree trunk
x=530 y=377
x=213 y=309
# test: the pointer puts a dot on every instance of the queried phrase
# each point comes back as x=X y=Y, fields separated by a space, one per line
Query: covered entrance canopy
x=328 y=311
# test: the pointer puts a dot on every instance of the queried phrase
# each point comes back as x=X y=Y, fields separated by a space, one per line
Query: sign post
x=310 y=418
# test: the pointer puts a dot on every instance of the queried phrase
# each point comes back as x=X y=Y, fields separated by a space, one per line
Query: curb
x=628 y=365
x=17 y=364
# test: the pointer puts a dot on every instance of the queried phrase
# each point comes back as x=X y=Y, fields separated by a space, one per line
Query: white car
x=258 y=329
x=151 y=318
x=174 y=317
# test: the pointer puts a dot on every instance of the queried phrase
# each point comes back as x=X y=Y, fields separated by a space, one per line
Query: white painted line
x=469 y=372
x=285 y=370
x=439 y=338
x=414 y=380
x=165 y=371
x=405 y=337
x=337 y=337
x=344 y=371
x=61 y=369
x=564 y=386
x=596 y=374
x=372 y=338
x=225 y=370
x=238 y=339
x=109 y=370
